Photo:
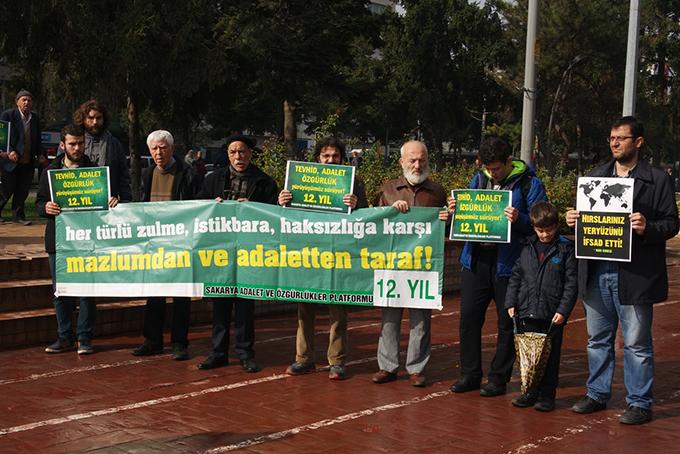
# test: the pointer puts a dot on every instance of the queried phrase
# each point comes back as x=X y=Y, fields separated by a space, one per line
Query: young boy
x=542 y=289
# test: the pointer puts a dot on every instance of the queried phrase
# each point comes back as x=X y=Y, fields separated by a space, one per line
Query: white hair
x=412 y=142
x=160 y=135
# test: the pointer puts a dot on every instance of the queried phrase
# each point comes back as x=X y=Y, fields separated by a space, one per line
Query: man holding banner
x=412 y=189
x=487 y=267
x=329 y=150
x=241 y=181
x=625 y=291
x=73 y=144
x=169 y=179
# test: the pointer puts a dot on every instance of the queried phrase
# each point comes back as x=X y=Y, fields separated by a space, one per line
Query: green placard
x=372 y=257
x=80 y=189
x=4 y=135
x=319 y=187
x=480 y=215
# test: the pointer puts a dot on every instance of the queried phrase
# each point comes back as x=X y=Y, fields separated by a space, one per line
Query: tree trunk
x=290 y=130
x=135 y=161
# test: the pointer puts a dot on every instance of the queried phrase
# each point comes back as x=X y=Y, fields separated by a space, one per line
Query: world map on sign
x=613 y=195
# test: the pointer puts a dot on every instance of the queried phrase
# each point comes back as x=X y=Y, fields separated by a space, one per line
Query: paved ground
x=114 y=402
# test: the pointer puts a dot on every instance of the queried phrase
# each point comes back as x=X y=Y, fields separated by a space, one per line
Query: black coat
x=184 y=186
x=644 y=279
x=16 y=138
x=538 y=290
x=43 y=197
x=261 y=187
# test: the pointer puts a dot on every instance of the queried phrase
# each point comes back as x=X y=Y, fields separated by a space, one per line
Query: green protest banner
x=480 y=216
x=4 y=135
x=374 y=257
x=319 y=187
x=80 y=189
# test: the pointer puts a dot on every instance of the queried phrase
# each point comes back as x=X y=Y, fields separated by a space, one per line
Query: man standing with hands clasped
x=626 y=291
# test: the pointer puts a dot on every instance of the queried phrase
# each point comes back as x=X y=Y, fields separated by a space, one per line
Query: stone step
x=24 y=267
x=25 y=295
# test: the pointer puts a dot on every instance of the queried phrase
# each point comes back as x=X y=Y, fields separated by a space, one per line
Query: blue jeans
x=63 y=308
x=603 y=313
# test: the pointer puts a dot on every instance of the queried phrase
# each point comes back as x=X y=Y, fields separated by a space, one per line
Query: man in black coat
x=626 y=291
x=169 y=179
x=242 y=181
x=25 y=152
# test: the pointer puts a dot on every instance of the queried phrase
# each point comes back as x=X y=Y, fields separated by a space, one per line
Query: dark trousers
x=478 y=288
x=245 y=327
x=154 y=320
x=15 y=186
x=548 y=386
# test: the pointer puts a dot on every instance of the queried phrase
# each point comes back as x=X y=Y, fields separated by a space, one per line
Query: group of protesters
x=534 y=279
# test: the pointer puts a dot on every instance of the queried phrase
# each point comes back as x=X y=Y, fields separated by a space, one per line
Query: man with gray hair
x=413 y=188
x=169 y=179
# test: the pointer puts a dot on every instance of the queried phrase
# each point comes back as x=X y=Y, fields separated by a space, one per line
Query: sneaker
x=525 y=400
x=492 y=389
x=249 y=365
x=60 y=346
x=636 y=415
x=544 y=404
x=179 y=352
x=588 y=405
x=147 y=349
x=337 y=372
x=85 y=347
x=300 y=368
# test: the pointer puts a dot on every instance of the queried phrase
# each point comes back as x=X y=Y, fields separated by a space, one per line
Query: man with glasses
x=242 y=181
x=487 y=268
x=626 y=291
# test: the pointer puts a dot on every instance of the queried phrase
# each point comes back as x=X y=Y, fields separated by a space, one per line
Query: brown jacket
x=426 y=194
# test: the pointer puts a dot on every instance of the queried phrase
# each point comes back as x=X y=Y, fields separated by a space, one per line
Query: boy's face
x=546 y=234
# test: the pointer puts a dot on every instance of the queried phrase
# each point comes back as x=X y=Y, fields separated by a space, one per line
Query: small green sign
x=80 y=189
x=4 y=135
x=319 y=187
x=480 y=215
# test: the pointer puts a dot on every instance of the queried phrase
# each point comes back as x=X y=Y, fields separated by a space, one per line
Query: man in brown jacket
x=413 y=188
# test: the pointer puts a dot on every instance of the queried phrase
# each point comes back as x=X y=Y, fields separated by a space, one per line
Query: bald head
x=414 y=162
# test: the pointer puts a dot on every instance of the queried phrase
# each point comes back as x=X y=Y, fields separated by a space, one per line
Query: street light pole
x=529 y=109
x=630 y=85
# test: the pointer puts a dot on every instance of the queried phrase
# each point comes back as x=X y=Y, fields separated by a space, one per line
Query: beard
x=94 y=130
x=627 y=157
x=414 y=178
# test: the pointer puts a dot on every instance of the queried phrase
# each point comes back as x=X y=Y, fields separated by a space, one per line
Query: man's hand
x=13 y=156
x=558 y=318
x=242 y=199
x=52 y=208
x=113 y=201
x=348 y=199
x=512 y=214
x=452 y=204
x=284 y=197
x=401 y=205
x=511 y=312
x=444 y=215
x=638 y=222
x=571 y=217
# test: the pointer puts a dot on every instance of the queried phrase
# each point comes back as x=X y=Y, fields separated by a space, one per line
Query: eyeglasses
x=618 y=138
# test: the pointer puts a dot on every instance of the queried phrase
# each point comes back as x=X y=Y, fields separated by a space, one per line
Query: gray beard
x=416 y=179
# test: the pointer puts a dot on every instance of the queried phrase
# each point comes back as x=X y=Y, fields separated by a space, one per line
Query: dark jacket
x=16 y=138
x=360 y=192
x=522 y=176
x=644 y=279
x=43 y=197
x=261 y=187
x=184 y=186
x=538 y=290
x=426 y=194
x=118 y=169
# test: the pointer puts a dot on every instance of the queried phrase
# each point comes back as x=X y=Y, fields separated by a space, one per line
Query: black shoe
x=300 y=368
x=463 y=385
x=588 y=405
x=179 y=352
x=147 y=349
x=60 y=346
x=544 y=404
x=212 y=361
x=636 y=415
x=85 y=347
x=249 y=365
x=492 y=389
x=525 y=400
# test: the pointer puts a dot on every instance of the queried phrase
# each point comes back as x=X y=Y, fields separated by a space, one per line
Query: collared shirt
x=426 y=194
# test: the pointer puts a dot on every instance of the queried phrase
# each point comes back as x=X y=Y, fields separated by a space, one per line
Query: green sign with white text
x=80 y=189
x=4 y=135
x=480 y=215
x=319 y=187
x=373 y=257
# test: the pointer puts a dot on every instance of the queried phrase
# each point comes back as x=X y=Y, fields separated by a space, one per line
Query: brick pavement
x=114 y=402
